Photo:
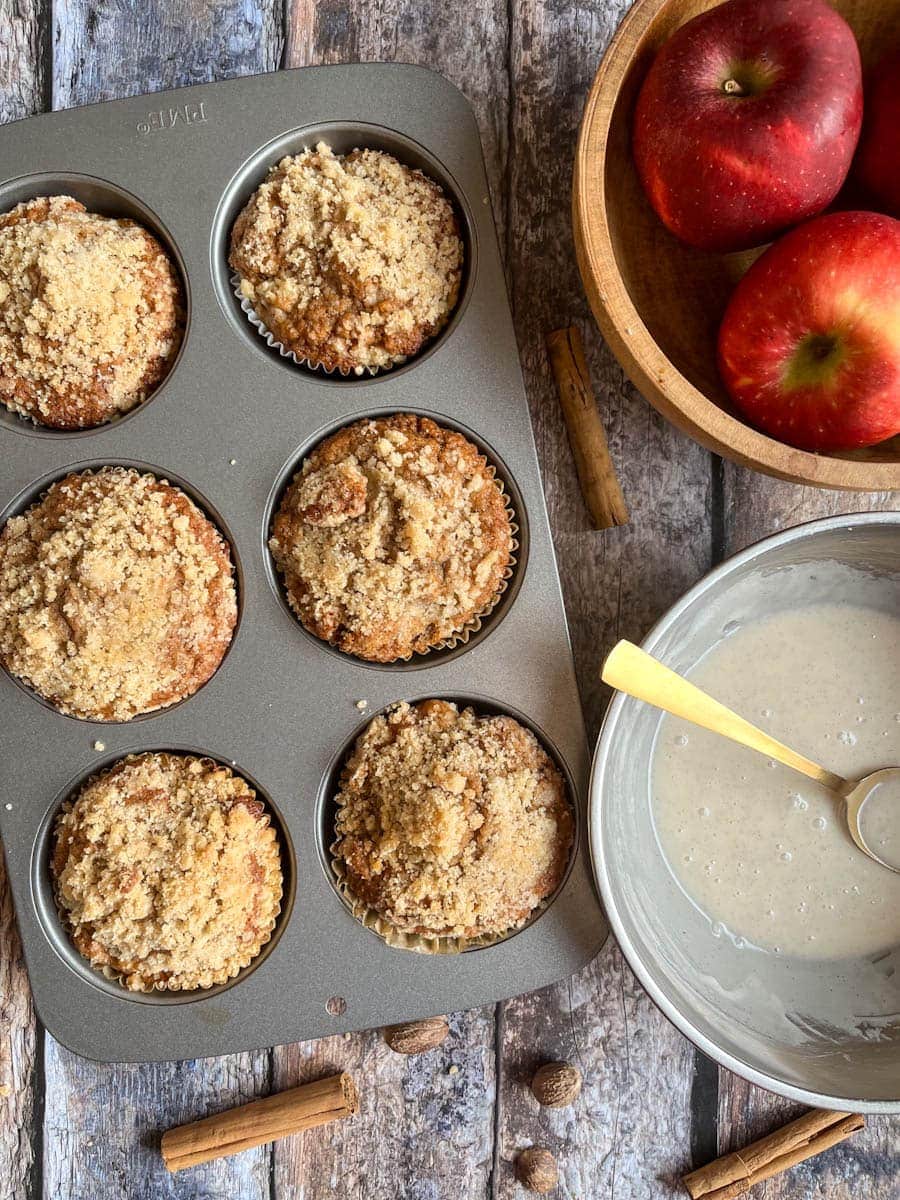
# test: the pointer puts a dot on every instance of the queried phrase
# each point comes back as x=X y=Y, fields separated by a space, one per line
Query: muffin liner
x=119 y=977
x=473 y=625
x=261 y=328
x=420 y=943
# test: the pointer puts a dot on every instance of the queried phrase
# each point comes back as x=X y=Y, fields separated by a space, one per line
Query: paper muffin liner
x=420 y=943
x=474 y=624
x=272 y=341
x=119 y=977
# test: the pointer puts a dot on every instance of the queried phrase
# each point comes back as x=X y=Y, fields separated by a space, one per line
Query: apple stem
x=731 y=87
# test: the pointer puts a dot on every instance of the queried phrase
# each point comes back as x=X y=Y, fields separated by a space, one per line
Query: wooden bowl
x=659 y=303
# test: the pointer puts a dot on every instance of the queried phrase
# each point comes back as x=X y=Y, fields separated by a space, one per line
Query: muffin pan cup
x=480 y=623
x=231 y=420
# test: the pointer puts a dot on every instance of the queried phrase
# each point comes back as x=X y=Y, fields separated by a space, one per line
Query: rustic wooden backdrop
x=445 y=1126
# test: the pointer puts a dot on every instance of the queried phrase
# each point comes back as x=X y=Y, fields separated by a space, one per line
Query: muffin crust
x=351 y=262
x=392 y=538
x=450 y=824
x=90 y=313
x=167 y=872
x=117 y=595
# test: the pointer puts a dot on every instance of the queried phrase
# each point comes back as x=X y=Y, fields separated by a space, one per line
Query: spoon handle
x=632 y=670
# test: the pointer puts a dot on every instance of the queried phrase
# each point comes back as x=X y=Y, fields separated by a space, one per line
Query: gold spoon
x=637 y=673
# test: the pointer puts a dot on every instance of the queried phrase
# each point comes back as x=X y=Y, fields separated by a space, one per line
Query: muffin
x=167 y=872
x=350 y=262
x=90 y=313
x=393 y=538
x=117 y=595
x=450 y=825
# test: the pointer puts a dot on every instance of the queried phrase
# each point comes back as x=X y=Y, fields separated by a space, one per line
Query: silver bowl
x=826 y=1033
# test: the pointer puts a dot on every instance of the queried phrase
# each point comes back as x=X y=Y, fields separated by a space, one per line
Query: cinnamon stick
x=260 y=1121
x=587 y=437
x=734 y=1174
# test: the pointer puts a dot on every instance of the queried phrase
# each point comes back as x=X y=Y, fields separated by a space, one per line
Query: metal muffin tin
x=230 y=424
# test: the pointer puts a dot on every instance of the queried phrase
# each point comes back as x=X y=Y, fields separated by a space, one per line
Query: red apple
x=747 y=120
x=878 y=160
x=809 y=347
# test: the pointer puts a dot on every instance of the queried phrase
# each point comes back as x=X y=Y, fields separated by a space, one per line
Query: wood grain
x=22 y=86
x=103 y=51
x=18 y=1063
x=103 y=1124
x=21 y=58
x=754 y=506
x=424 y=1130
x=471 y=50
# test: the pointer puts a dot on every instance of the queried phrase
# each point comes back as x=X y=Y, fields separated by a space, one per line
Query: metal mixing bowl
x=826 y=1033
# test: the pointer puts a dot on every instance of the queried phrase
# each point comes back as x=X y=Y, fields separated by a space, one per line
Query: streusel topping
x=90 y=313
x=167 y=872
x=117 y=595
x=352 y=262
x=392 y=538
x=450 y=824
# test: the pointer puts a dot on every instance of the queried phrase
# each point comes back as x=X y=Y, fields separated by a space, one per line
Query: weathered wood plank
x=422 y=1132
x=102 y=1122
x=21 y=58
x=425 y=1125
x=124 y=47
x=21 y=93
x=867 y=1167
x=755 y=506
x=629 y=1133
x=18 y=1068
x=472 y=54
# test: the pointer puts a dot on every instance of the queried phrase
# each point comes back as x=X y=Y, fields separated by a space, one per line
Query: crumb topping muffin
x=393 y=537
x=117 y=595
x=167 y=872
x=351 y=262
x=450 y=824
x=90 y=313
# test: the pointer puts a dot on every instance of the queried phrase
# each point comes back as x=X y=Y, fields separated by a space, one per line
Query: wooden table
x=445 y=1126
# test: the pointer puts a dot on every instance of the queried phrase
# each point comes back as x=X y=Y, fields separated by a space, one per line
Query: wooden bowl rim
x=656 y=377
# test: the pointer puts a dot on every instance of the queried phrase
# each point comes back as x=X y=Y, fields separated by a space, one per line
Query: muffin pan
x=230 y=424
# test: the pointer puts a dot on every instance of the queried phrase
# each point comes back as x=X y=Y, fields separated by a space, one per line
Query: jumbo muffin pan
x=230 y=424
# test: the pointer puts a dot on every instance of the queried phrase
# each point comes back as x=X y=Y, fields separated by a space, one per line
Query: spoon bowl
x=887 y=779
x=632 y=670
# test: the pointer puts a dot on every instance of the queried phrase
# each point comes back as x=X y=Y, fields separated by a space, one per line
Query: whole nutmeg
x=415 y=1037
x=556 y=1084
x=536 y=1170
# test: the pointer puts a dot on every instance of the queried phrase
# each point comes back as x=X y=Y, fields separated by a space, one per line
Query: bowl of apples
x=736 y=204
